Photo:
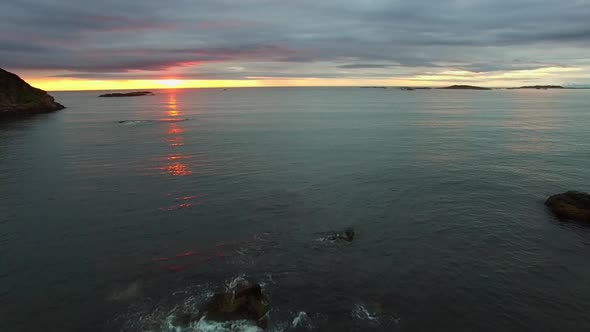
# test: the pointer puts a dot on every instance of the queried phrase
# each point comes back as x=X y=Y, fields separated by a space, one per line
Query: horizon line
x=563 y=87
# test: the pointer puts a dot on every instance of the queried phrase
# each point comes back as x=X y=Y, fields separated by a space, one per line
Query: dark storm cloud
x=332 y=36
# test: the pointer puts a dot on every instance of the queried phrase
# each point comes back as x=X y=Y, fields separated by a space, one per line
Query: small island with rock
x=18 y=98
x=464 y=87
x=128 y=94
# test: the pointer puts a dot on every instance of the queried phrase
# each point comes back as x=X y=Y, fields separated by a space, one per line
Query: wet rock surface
x=245 y=301
x=573 y=205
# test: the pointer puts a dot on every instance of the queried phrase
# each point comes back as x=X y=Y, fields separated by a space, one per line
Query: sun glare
x=170 y=83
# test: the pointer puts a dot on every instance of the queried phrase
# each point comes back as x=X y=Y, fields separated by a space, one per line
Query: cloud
x=364 y=66
x=345 y=38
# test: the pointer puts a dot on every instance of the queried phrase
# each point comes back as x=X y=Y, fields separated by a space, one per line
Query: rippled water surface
x=116 y=212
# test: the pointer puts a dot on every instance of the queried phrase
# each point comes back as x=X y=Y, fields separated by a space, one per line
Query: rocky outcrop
x=129 y=94
x=243 y=302
x=17 y=97
x=465 y=87
x=572 y=205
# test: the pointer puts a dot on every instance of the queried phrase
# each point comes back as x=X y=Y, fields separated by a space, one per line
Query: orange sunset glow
x=171 y=83
x=441 y=77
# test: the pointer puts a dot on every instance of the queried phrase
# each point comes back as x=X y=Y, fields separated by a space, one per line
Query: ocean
x=117 y=213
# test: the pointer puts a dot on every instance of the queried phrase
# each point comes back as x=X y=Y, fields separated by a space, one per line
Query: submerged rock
x=347 y=235
x=128 y=293
x=572 y=205
x=128 y=94
x=17 y=97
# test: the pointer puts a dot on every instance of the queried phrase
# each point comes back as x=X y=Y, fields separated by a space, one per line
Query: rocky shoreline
x=18 y=98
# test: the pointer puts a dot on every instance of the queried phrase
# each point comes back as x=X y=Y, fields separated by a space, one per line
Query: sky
x=106 y=44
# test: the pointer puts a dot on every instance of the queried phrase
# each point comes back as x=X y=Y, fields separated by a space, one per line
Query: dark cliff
x=17 y=97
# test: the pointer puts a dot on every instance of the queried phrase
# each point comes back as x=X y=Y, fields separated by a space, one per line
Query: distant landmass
x=465 y=87
x=128 y=94
x=577 y=86
x=413 y=88
x=17 y=97
x=541 y=87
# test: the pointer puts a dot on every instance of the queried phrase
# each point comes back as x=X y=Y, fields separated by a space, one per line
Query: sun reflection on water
x=177 y=164
x=174 y=129
x=178 y=169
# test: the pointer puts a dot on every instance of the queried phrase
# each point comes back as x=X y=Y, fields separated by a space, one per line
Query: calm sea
x=113 y=226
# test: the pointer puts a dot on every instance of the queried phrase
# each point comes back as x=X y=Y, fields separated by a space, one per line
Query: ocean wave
x=373 y=319
x=139 y=122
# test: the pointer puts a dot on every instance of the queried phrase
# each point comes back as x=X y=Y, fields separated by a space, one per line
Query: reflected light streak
x=176 y=162
x=173 y=157
x=178 y=169
x=175 y=141
x=174 y=129
x=172 y=106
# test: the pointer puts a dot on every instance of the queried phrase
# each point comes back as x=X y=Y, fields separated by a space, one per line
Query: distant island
x=540 y=87
x=128 y=94
x=413 y=88
x=464 y=87
x=17 y=97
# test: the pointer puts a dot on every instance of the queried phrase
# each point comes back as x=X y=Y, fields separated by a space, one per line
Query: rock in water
x=572 y=205
x=17 y=97
x=348 y=234
x=243 y=302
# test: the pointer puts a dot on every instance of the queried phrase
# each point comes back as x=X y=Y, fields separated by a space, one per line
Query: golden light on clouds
x=546 y=75
x=494 y=79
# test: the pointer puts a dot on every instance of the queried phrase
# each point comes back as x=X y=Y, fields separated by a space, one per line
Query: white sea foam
x=134 y=122
x=232 y=326
x=235 y=282
x=360 y=312
x=302 y=320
